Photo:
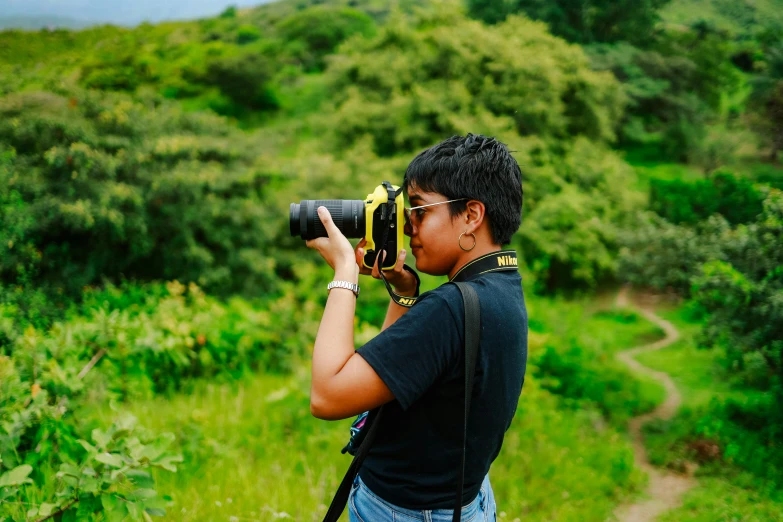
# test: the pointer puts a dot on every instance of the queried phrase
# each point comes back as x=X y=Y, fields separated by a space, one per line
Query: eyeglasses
x=409 y=218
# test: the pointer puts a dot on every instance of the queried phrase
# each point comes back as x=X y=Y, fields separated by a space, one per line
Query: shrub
x=315 y=32
x=96 y=186
x=683 y=202
x=742 y=296
x=409 y=86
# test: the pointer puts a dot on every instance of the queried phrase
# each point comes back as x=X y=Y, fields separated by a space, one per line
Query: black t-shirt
x=414 y=459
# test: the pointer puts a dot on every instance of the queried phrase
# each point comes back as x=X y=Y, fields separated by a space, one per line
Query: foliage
x=164 y=194
x=110 y=478
x=745 y=18
x=577 y=204
x=122 y=343
x=675 y=87
x=767 y=100
x=598 y=21
x=39 y=432
x=742 y=295
x=658 y=254
x=243 y=78
x=736 y=276
x=489 y=11
x=686 y=203
x=317 y=31
x=158 y=343
x=413 y=84
x=601 y=21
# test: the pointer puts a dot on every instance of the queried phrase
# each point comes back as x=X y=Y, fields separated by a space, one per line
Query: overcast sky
x=125 y=12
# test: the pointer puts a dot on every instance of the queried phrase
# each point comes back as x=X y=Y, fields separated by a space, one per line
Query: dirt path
x=665 y=488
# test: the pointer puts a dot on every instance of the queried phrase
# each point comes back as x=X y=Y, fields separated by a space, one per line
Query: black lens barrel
x=347 y=214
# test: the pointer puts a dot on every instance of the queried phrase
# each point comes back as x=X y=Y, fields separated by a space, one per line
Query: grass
x=576 y=357
x=725 y=491
x=718 y=500
x=253 y=451
x=697 y=372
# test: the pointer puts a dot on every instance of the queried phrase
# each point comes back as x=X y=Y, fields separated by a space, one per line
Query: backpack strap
x=344 y=489
x=472 y=333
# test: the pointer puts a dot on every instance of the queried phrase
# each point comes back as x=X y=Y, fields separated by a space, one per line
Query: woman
x=467 y=193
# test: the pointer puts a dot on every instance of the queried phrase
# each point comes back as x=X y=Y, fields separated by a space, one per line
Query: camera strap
x=492 y=262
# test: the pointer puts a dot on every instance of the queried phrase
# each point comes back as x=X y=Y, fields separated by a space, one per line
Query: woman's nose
x=408 y=230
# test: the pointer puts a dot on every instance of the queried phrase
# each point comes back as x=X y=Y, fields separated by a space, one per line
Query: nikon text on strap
x=492 y=262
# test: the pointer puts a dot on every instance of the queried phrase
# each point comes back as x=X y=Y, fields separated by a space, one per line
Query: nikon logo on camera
x=404 y=301
x=507 y=261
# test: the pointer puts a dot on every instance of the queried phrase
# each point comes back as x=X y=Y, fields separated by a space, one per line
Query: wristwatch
x=353 y=287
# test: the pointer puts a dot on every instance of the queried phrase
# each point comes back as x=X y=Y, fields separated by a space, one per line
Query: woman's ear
x=474 y=215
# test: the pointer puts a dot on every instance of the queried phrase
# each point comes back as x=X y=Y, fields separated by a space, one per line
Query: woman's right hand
x=403 y=282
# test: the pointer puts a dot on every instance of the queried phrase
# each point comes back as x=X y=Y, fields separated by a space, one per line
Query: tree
x=742 y=295
x=96 y=185
x=409 y=86
x=594 y=21
x=244 y=78
x=489 y=11
x=767 y=100
x=315 y=32
x=675 y=88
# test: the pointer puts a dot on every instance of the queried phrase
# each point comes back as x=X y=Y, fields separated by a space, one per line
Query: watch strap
x=353 y=287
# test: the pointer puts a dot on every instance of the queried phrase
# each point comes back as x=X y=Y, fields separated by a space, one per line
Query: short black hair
x=474 y=167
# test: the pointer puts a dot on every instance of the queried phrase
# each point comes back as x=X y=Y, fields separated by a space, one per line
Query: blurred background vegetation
x=147 y=270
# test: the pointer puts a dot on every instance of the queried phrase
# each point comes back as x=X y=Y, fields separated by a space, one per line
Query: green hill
x=741 y=17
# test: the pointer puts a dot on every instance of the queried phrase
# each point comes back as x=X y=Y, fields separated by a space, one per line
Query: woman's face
x=433 y=233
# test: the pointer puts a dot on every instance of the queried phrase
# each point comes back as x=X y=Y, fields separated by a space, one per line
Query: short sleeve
x=417 y=349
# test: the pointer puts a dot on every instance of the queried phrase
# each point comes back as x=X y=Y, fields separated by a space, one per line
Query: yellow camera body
x=377 y=221
x=371 y=218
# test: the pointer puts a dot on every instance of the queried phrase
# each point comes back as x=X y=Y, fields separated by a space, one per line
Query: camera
x=379 y=218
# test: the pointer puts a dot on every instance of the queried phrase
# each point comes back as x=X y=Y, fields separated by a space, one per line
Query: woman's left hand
x=335 y=249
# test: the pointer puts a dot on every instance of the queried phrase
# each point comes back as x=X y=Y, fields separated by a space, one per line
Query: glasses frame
x=407 y=211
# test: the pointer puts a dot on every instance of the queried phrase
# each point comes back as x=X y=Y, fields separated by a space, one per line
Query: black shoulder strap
x=344 y=489
x=472 y=332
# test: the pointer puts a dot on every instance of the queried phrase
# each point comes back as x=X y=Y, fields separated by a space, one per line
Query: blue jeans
x=366 y=506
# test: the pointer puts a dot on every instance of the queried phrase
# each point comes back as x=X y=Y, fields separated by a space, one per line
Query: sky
x=120 y=12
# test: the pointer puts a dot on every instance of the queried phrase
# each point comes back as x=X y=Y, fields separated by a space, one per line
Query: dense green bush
x=658 y=254
x=114 y=186
x=742 y=295
x=580 y=377
x=724 y=437
x=675 y=87
x=576 y=203
x=602 y=21
x=412 y=85
x=313 y=33
x=687 y=203
x=123 y=343
x=244 y=78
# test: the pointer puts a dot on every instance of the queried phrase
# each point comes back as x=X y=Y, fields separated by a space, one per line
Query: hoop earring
x=472 y=246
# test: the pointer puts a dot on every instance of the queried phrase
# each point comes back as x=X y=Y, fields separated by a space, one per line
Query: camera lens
x=347 y=214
